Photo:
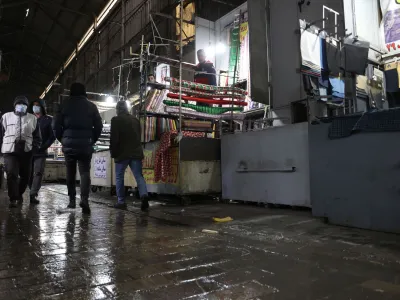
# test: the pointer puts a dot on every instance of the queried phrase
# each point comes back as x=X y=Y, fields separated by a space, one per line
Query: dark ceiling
x=36 y=38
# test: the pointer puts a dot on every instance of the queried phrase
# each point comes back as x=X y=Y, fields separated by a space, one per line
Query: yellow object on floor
x=220 y=220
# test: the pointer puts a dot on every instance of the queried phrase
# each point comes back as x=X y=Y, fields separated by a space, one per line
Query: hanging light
x=210 y=51
x=220 y=48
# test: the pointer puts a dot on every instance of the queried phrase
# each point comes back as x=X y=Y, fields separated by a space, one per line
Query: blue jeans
x=136 y=168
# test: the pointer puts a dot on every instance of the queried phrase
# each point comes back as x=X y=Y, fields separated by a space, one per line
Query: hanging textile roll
x=205 y=109
x=191 y=113
x=205 y=87
x=208 y=101
x=207 y=95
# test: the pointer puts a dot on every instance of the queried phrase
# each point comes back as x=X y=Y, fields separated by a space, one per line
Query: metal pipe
x=180 y=68
x=291 y=170
x=123 y=12
x=97 y=94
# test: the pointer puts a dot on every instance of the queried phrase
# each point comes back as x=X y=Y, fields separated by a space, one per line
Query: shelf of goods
x=189 y=167
x=102 y=172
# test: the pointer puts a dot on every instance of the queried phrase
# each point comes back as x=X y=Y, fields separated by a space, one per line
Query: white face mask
x=20 y=108
x=36 y=109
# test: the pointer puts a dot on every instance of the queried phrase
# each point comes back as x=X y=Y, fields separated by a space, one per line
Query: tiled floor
x=48 y=252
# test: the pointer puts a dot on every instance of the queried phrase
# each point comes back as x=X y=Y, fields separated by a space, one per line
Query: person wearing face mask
x=38 y=108
x=19 y=138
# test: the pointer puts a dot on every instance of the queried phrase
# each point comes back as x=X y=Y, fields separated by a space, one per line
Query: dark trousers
x=35 y=182
x=17 y=165
x=83 y=162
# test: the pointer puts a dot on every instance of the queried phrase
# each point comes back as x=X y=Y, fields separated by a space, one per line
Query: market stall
x=188 y=162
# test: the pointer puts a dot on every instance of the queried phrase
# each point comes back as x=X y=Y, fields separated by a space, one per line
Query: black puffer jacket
x=44 y=123
x=77 y=126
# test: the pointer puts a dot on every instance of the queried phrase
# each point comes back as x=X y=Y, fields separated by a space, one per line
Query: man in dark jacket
x=38 y=108
x=205 y=72
x=78 y=126
x=19 y=137
x=126 y=149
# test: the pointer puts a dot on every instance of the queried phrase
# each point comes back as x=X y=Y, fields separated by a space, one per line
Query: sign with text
x=391 y=24
x=149 y=176
x=100 y=167
x=244 y=29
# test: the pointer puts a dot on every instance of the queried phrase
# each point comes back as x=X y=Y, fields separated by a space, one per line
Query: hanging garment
x=163 y=160
x=354 y=56
x=333 y=59
x=310 y=45
x=362 y=83
x=392 y=77
x=337 y=87
x=324 y=57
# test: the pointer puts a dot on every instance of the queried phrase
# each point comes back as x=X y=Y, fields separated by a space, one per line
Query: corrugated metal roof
x=38 y=36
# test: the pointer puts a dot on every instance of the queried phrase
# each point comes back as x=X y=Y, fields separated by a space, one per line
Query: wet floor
x=47 y=252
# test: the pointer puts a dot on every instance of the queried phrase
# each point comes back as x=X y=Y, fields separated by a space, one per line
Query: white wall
x=364 y=23
x=205 y=38
x=108 y=115
x=222 y=31
x=268 y=155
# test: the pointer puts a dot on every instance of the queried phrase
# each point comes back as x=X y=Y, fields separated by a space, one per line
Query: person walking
x=38 y=109
x=126 y=149
x=78 y=126
x=19 y=137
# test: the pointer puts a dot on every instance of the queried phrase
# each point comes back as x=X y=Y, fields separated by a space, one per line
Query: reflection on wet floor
x=48 y=252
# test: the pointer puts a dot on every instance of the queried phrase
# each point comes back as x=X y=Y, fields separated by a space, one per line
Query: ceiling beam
x=13 y=4
x=19 y=27
x=8 y=49
x=35 y=70
x=73 y=39
x=54 y=52
x=62 y=7
x=29 y=19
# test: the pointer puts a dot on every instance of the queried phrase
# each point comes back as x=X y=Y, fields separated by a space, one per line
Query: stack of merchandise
x=155 y=127
x=154 y=100
x=200 y=98
x=195 y=125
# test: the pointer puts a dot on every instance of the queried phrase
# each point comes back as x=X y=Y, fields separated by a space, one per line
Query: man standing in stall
x=205 y=72
x=126 y=149
x=38 y=109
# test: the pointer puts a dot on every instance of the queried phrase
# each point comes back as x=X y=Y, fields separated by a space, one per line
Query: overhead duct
x=258 y=11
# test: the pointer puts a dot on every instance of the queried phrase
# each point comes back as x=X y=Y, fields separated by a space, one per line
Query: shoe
x=72 y=203
x=145 y=204
x=12 y=204
x=84 y=204
x=120 y=206
x=33 y=200
x=20 y=200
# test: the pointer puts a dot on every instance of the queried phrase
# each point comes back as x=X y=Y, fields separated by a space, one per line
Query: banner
x=148 y=161
x=244 y=29
x=148 y=166
x=391 y=24
x=149 y=176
